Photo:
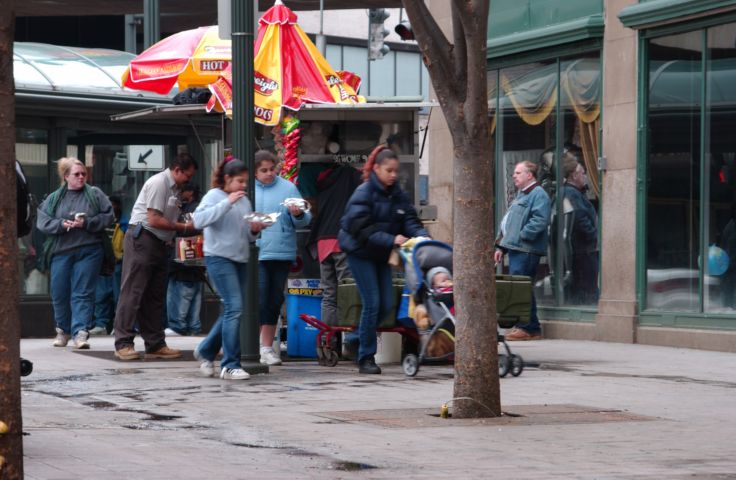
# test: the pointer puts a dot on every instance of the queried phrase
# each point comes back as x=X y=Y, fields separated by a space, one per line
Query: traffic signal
x=376 y=33
x=404 y=30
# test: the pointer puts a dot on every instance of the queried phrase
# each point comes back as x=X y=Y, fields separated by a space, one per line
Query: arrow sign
x=146 y=157
x=142 y=157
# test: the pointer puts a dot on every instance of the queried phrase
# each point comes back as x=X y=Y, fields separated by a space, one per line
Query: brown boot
x=519 y=334
x=127 y=353
x=165 y=353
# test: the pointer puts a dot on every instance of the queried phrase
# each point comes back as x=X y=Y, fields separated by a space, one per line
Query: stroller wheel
x=410 y=365
x=503 y=365
x=331 y=357
x=517 y=365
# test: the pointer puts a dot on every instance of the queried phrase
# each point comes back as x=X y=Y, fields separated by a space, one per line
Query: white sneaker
x=269 y=357
x=234 y=374
x=61 y=338
x=206 y=367
x=171 y=333
x=98 y=331
x=80 y=340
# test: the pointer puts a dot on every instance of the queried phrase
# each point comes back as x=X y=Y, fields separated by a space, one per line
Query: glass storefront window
x=528 y=121
x=673 y=173
x=574 y=228
x=31 y=149
x=691 y=172
x=547 y=111
x=719 y=247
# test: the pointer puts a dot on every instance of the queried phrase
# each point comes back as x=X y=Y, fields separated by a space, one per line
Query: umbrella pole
x=243 y=22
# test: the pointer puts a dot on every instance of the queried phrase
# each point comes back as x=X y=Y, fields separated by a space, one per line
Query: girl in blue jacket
x=378 y=217
x=277 y=246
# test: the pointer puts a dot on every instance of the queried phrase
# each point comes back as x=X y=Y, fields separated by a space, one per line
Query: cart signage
x=304 y=286
x=263 y=113
x=213 y=65
x=264 y=85
x=349 y=158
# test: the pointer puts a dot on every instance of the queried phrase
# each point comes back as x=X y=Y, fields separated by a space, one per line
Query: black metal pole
x=243 y=23
x=151 y=23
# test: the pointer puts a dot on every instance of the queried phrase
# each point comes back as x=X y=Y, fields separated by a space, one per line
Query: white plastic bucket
x=389 y=348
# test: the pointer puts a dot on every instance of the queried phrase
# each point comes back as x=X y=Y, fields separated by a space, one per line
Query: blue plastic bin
x=301 y=338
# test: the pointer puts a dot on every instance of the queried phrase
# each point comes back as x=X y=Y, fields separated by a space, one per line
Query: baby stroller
x=513 y=295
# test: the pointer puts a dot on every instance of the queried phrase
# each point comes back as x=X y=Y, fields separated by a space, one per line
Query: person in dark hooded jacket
x=378 y=217
x=335 y=186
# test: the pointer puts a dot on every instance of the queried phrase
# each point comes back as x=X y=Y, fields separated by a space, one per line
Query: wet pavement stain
x=69 y=378
x=346 y=466
x=151 y=416
x=102 y=405
x=298 y=452
x=155 y=417
x=253 y=445
x=123 y=371
x=291 y=451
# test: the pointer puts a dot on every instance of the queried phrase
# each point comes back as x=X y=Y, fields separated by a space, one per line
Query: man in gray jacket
x=524 y=237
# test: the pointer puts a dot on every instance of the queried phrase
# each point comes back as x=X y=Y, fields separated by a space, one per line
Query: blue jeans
x=107 y=292
x=183 y=302
x=271 y=282
x=104 y=307
x=376 y=292
x=228 y=278
x=522 y=263
x=73 y=278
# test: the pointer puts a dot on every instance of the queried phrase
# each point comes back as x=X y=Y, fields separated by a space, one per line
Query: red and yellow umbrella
x=289 y=71
x=192 y=58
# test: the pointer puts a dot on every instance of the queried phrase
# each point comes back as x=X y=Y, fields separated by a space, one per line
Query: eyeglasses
x=79 y=174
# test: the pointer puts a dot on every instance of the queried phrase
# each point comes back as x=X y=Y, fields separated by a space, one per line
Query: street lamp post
x=243 y=23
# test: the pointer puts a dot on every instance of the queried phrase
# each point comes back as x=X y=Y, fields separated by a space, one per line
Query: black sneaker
x=368 y=365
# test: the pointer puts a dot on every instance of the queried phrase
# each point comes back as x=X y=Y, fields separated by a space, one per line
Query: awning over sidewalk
x=177 y=111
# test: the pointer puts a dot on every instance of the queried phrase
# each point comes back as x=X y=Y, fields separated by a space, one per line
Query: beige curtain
x=533 y=98
x=589 y=145
x=581 y=84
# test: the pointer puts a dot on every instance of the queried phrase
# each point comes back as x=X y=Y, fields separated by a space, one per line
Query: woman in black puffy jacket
x=378 y=217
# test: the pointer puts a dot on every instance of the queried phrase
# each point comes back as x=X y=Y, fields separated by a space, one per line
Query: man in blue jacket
x=524 y=237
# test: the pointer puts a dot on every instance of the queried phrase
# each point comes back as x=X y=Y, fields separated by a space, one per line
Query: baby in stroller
x=440 y=280
x=434 y=310
x=429 y=278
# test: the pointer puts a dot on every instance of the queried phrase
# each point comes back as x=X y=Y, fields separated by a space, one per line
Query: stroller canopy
x=426 y=255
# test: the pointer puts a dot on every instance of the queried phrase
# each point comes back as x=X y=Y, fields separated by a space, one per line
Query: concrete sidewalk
x=588 y=410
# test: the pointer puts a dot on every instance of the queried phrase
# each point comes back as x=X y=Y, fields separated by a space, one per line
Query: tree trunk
x=11 y=443
x=459 y=78
x=477 y=388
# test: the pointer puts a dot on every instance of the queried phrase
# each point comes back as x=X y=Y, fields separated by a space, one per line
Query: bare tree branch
x=430 y=38
x=475 y=24
x=459 y=16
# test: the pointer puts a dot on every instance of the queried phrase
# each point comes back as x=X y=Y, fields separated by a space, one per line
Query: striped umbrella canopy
x=192 y=58
x=289 y=71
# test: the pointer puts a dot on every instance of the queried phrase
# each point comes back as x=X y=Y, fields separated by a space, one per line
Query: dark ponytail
x=379 y=154
x=231 y=166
